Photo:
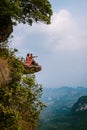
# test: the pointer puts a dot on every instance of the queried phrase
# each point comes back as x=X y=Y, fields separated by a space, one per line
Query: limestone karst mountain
x=81 y=105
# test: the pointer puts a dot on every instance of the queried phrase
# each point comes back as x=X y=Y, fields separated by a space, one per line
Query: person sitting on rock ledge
x=30 y=60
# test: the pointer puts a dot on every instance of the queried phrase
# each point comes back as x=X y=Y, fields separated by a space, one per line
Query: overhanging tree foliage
x=24 y=11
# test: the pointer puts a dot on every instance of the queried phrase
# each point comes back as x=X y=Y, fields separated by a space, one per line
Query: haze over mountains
x=62 y=106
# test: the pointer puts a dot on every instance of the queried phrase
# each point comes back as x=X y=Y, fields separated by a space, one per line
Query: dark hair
x=27 y=54
x=31 y=54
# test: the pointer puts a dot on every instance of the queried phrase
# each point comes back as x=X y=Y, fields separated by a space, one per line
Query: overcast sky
x=61 y=46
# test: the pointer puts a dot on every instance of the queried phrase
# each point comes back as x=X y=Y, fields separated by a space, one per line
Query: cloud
x=65 y=32
x=61 y=48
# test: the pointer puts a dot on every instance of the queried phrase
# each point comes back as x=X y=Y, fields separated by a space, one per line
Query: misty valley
x=66 y=109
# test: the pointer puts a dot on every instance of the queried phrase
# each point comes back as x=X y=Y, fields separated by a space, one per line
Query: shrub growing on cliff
x=20 y=103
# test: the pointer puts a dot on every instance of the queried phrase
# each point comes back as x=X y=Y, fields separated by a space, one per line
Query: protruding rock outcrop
x=32 y=69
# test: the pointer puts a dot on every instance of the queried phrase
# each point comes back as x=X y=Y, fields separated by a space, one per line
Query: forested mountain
x=60 y=111
x=63 y=96
x=80 y=106
x=79 y=114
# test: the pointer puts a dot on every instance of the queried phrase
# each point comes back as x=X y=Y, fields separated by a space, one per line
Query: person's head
x=31 y=55
x=28 y=54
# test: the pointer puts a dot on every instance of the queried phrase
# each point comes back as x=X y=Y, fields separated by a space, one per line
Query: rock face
x=32 y=69
x=80 y=106
x=4 y=72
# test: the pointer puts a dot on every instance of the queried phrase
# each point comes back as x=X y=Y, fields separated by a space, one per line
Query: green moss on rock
x=32 y=69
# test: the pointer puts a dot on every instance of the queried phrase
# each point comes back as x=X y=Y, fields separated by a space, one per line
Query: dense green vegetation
x=20 y=103
x=64 y=120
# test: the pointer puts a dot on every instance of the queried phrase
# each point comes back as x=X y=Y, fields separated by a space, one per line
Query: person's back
x=28 y=60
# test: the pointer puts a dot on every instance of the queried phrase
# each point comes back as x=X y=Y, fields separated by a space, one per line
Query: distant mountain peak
x=80 y=105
